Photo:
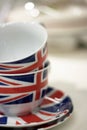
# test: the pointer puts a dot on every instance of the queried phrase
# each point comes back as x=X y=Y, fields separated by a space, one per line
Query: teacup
x=23 y=93
x=23 y=47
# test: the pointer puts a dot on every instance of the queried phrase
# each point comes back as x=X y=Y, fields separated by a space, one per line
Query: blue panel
x=3 y=120
x=26 y=99
x=25 y=78
x=26 y=60
x=65 y=104
x=1 y=83
x=1 y=96
x=43 y=93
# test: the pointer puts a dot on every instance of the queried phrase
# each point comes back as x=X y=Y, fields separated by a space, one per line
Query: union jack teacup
x=23 y=47
x=22 y=93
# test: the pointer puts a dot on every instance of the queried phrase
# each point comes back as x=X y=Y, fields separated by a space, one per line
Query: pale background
x=67 y=50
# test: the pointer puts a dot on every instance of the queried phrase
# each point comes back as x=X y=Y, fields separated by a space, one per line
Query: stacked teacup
x=23 y=67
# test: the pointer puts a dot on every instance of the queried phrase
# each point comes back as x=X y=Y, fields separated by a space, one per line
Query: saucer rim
x=58 y=123
x=35 y=124
x=66 y=117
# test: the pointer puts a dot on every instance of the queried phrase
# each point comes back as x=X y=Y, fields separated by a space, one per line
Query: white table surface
x=69 y=73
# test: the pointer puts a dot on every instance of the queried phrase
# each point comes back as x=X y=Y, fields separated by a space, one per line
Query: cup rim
x=38 y=25
x=32 y=72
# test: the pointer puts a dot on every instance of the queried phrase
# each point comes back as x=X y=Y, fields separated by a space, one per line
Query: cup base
x=20 y=109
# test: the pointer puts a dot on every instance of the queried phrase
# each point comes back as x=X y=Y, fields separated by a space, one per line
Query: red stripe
x=39 y=82
x=8 y=82
x=10 y=66
x=23 y=89
x=37 y=96
x=46 y=102
x=31 y=118
x=12 y=99
x=1 y=113
x=57 y=94
x=18 y=123
x=47 y=113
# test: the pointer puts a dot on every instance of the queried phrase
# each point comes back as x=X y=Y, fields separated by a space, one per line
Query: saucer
x=56 y=107
x=56 y=122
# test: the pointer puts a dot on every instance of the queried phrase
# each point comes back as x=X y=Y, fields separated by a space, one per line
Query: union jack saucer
x=55 y=108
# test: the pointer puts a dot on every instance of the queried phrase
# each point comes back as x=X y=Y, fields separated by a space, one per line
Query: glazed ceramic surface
x=28 y=64
x=55 y=108
x=20 y=40
x=23 y=47
x=22 y=93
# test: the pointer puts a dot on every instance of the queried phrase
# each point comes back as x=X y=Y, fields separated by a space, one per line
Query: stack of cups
x=23 y=67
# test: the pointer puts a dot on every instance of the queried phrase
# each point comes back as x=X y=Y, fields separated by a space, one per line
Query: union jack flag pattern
x=18 y=93
x=55 y=107
x=28 y=64
x=31 y=84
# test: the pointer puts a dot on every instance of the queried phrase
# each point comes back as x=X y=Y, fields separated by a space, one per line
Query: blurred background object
x=65 y=20
x=5 y=9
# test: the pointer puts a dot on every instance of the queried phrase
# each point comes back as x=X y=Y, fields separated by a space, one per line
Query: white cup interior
x=20 y=40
